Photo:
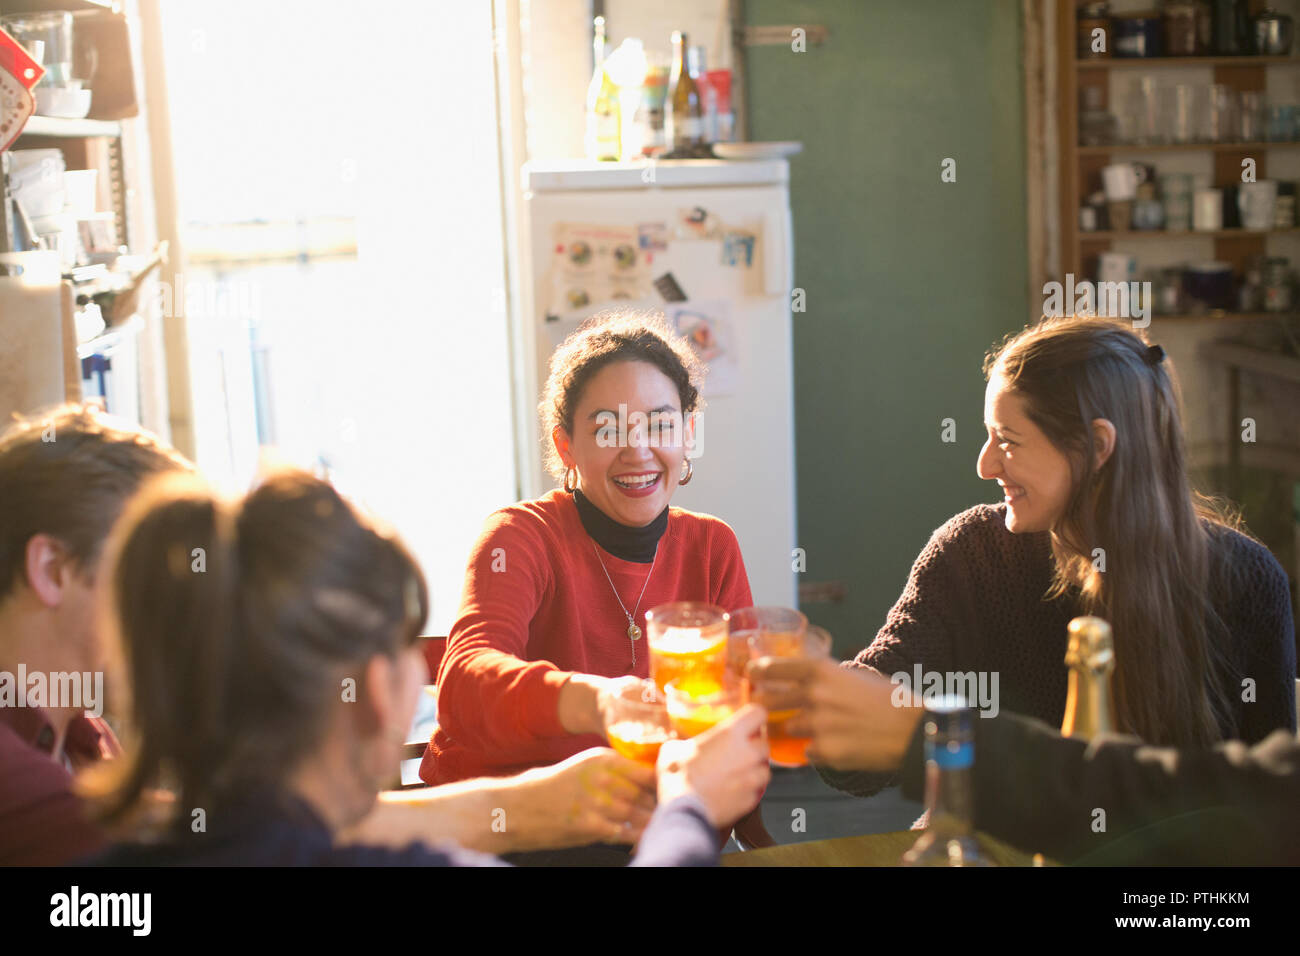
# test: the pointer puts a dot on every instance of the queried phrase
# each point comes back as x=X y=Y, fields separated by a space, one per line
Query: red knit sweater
x=537 y=607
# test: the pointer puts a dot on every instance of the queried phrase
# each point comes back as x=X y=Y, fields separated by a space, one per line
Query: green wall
x=908 y=279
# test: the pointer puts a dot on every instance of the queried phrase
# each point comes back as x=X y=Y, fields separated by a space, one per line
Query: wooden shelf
x=1109 y=235
x=71 y=128
x=1167 y=62
x=1184 y=148
x=1276 y=364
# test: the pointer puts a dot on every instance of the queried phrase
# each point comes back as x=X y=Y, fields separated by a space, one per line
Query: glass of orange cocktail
x=687 y=640
x=782 y=632
x=695 y=704
x=781 y=627
x=636 y=722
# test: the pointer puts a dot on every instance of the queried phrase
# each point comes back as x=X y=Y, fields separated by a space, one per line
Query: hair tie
x=1155 y=355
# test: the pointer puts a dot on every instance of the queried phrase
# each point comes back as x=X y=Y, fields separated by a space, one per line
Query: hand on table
x=726 y=766
x=852 y=714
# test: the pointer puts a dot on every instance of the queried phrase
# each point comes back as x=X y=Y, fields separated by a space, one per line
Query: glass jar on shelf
x=1278 y=290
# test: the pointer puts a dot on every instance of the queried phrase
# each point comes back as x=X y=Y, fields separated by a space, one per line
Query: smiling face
x=630 y=480
x=1034 y=475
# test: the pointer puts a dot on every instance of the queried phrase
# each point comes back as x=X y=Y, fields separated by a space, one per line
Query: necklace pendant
x=634 y=632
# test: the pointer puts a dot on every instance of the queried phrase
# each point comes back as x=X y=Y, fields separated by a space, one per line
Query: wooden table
x=872 y=849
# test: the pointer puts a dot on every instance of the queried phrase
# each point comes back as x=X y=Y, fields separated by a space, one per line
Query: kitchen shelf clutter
x=70 y=128
x=1168 y=136
x=66 y=206
x=1156 y=62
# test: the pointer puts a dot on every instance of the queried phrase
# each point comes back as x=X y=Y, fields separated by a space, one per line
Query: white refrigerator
x=722 y=231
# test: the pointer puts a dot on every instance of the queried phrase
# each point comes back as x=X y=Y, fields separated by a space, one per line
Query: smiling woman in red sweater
x=557 y=588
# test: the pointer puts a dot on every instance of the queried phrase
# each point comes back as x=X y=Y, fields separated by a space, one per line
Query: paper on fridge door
x=706 y=325
x=594 y=265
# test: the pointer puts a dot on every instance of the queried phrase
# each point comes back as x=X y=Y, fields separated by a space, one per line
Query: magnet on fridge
x=738 y=247
x=669 y=289
x=696 y=223
x=652 y=236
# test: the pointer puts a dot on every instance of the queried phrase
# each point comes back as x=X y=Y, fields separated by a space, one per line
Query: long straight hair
x=235 y=622
x=1155 y=534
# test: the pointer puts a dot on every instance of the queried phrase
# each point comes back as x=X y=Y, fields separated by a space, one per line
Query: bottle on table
x=1090 y=655
x=949 y=790
x=684 y=112
x=602 y=140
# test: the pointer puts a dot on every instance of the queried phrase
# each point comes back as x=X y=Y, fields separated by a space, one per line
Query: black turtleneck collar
x=631 y=544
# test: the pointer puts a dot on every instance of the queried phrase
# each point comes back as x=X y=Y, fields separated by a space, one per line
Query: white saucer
x=757 y=150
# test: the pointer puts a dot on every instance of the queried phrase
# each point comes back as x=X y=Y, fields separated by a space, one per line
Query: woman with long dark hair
x=1098 y=517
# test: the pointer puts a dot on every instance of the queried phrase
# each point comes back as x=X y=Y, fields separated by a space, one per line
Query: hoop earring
x=571 y=480
x=690 y=472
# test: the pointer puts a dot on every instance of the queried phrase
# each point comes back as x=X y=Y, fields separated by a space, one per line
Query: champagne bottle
x=1089 y=709
x=684 y=115
x=602 y=141
x=949 y=789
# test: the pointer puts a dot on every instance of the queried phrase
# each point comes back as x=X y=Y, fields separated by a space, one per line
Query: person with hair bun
x=270 y=649
x=1098 y=518
x=557 y=588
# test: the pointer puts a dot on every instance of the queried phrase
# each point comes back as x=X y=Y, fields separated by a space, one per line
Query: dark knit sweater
x=974 y=602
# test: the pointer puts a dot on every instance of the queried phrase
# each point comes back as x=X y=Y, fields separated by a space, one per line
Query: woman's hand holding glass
x=857 y=718
x=726 y=766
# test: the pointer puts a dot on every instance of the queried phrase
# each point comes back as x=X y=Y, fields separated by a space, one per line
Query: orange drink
x=638 y=740
x=687 y=640
x=695 y=705
x=782 y=632
x=786 y=750
x=636 y=722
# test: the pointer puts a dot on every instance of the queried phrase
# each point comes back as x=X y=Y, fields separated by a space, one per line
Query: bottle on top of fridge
x=601 y=141
x=684 y=113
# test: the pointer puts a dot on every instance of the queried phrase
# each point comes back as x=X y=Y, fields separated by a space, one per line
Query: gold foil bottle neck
x=1091 y=644
x=1090 y=655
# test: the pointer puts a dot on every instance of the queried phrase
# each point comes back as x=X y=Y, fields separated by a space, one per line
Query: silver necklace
x=633 y=632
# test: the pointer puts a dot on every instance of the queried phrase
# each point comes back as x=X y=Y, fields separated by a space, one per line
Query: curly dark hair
x=604 y=339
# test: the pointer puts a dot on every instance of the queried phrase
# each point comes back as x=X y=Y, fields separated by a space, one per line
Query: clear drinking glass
x=1252 y=119
x=1143 y=108
x=1178 y=113
x=788 y=750
x=1281 y=123
x=688 y=638
x=1217 y=123
x=694 y=707
x=636 y=722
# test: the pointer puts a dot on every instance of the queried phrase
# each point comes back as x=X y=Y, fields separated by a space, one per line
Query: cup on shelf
x=1120 y=181
x=1252 y=116
x=1178 y=113
x=1148 y=215
x=1116 y=267
x=1178 y=213
x=1217 y=122
x=1143 y=112
x=1256 y=201
x=1284 y=208
x=1207 y=210
x=1120 y=215
x=1281 y=123
x=1209 y=286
